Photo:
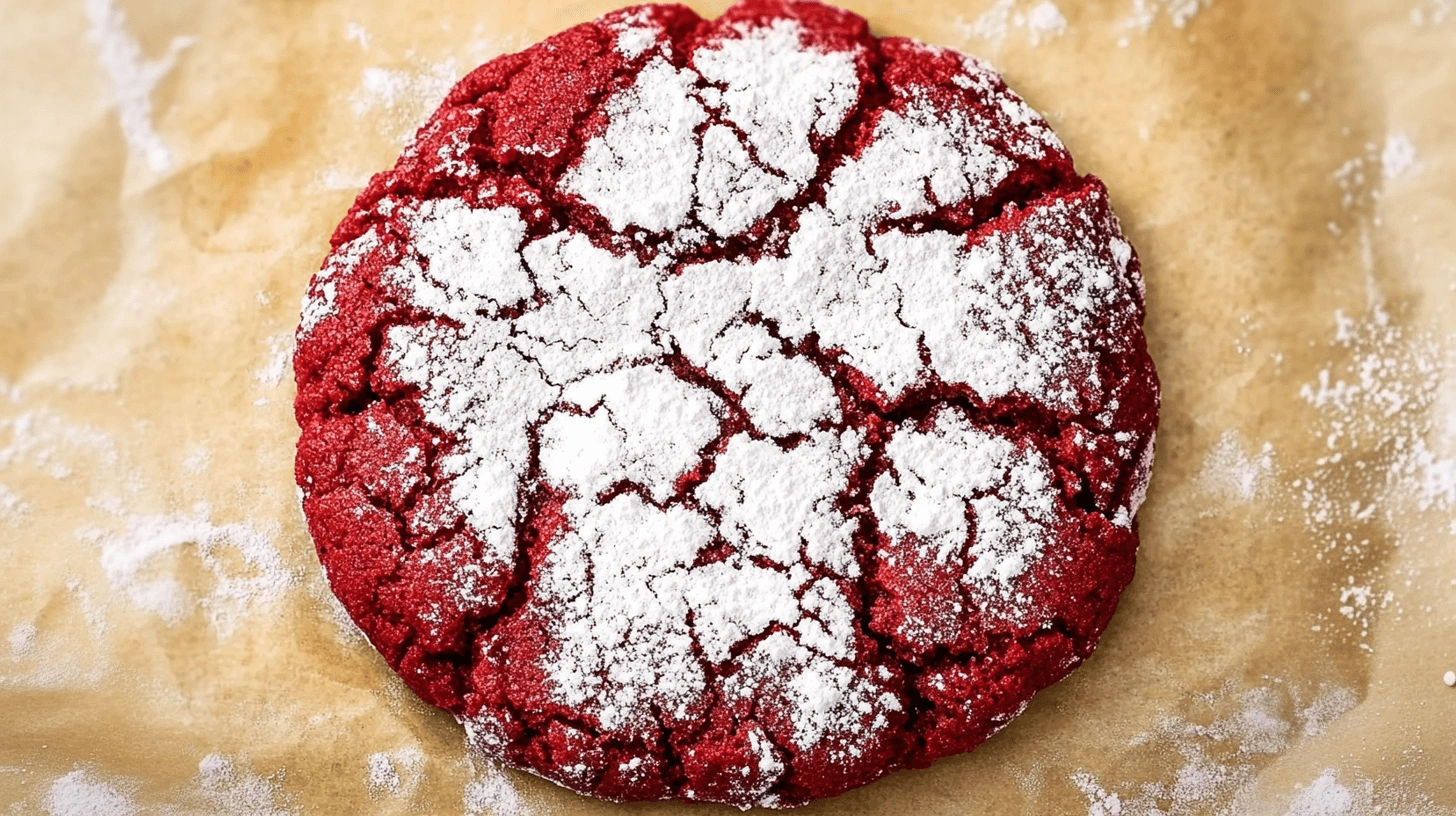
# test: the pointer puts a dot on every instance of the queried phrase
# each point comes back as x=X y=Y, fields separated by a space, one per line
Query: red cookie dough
x=730 y=410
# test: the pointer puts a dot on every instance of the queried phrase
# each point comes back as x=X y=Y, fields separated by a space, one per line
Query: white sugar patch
x=357 y=33
x=247 y=569
x=1146 y=12
x=938 y=474
x=231 y=791
x=1398 y=157
x=782 y=395
x=1432 y=12
x=45 y=440
x=79 y=793
x=12 y=506
x=197 y=461
x=133 y=78
x=636 y=32
x=466 y=260
x=491 y=793
x=280 y=352
x=772 y=500
x=1230 y=471
x=21 y=640
x=779 y=93
x=395 y=773
x=319 y=300
x=733 y=191
x=1040 y=21
x=613 y=588
x=641 y=424
x=1383 y=455
x=1099 y=801
x=401 y=98
x=1325 y=796
x=640 y=172
x=600 y=309
x=336 y=178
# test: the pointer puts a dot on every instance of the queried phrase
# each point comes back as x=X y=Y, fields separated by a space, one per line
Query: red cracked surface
x=465 y=638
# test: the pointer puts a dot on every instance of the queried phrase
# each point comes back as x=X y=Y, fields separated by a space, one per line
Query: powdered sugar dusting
x=395 y=773
x=491 y=793
x=78 y=793
x=1040 y=21
x=640 y=172
x=230 y=790
x=780 y=93
x=124 y=558
x=133 y=78
x=1231 y=471
x=956 y=466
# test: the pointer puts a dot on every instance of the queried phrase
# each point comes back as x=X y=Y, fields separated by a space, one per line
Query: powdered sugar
x=773 y=501
x=640 y=172
x=133 y=78
x=124 y=558
x=1041 y=21
x=779 y=93
x=229 y=790
x=1398 y=157
x=318 y=303
x=953 y=466
x=395 y=773
x=78 y=793
x=1231 y=471
x=641 y=424
x=470 y=262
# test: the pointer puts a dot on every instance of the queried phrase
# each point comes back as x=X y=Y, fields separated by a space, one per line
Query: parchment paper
x=1287 y=171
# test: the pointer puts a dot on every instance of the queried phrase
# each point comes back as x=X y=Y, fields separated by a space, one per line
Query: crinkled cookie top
x=730 y=410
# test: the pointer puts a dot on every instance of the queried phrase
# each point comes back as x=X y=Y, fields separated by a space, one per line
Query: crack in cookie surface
x=750 y=410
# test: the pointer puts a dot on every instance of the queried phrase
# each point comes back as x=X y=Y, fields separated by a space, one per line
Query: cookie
x=731 y=410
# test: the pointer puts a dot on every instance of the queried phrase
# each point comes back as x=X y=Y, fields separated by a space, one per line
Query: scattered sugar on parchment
x=11 y=505
x=1245 y=731
x=1099 y=801
x=42 y=438
x=1145 y=12
x=230 y=791
x=1231 y=472
x=21 y=639
x=1041 y=21
x=490 y=792
x=1325 y=796
x=1331 y=703
x=126 y=559
x=79 y=793
x=336 y=178
x=357 y=33
x=402 y=97
x=395 y=773
x=133 y=78
x=197 y=461
x=280 y=352
x=1398 y=157
x=1375 y=413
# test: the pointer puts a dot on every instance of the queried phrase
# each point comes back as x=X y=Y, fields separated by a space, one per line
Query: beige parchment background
x=169 y=176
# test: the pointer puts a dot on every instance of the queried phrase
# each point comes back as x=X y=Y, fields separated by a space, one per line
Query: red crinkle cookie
x=730 y=410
